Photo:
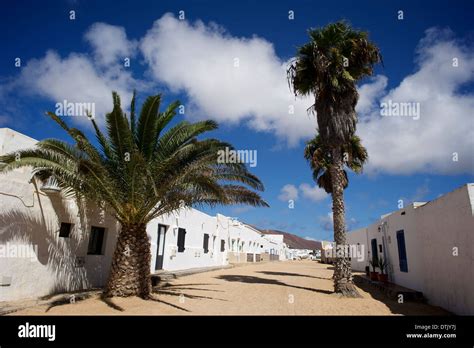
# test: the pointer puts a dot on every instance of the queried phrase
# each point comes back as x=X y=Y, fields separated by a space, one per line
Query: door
x=375 y=254
x=402 y=251
x=160 y=248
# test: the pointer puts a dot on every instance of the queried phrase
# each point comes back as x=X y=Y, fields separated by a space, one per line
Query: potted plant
x=374 y=274
x=383 y=276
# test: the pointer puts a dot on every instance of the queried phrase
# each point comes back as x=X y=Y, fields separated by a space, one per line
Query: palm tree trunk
x=342 y=277
x=130 y=271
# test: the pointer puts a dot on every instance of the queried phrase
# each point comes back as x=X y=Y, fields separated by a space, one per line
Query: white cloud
x=402 y=145
x=310 y=238
x=80 y=78
x=199 y=60
x=291 y=192
x=257 y=92
x=313 y=193
x=75 y=79
x=110 y=43
x=369 y=93
x=288 y=192
x=327 y=222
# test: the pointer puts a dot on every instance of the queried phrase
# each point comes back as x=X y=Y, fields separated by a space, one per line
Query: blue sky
x=82 y=60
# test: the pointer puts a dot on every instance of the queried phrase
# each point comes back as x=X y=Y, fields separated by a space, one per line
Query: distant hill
x=294 y=241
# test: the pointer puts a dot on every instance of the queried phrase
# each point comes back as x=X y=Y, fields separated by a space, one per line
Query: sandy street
x=278 y=288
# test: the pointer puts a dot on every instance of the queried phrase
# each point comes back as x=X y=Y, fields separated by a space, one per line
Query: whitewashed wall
x=31 y=219
x=196 y=224
x=432 y=231
x=360 y=237
x=240 y=240
x=274 y=244
x=446 y=229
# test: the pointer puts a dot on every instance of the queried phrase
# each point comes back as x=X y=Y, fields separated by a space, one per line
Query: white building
x=45 y=243
x=48 y=244
x=429 y=247
x=274 y=246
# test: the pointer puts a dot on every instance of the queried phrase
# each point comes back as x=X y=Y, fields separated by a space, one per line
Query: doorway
x=160 y=247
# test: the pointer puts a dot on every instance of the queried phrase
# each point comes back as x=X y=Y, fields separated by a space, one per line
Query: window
x=222 y=245
x=96 y=240
x=373 y=245
x=205 y=243
x=402 y=252
x=380 y=247
x=65 y=229
x=181 y=239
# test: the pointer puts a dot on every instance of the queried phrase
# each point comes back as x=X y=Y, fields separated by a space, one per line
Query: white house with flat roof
x=429 y=247
x=48 y=244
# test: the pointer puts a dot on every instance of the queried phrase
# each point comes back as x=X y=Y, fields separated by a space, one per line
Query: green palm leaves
x=142 y=166
x=328 y=67
x=319 y=158
x=332 y=60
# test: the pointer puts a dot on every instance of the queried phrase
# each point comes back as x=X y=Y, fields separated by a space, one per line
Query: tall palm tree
x=320 y=161
x=139 y=171
x=328 y=67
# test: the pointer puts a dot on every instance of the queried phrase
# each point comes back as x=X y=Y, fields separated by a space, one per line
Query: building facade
x=429 y=248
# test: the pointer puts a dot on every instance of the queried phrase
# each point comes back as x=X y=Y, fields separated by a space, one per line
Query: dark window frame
x=374 y=250
x=222 y=245
x=96 y=241
x=205 y=243
x=402 y=251
x=181 y=240
x=65 y=229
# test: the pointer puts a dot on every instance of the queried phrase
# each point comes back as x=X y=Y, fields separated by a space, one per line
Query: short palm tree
x=319 y=159
x=327 y=68
x=140 y=171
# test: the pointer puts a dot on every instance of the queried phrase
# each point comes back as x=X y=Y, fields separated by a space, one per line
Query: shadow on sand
x=291 y=275
x=258 y=280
